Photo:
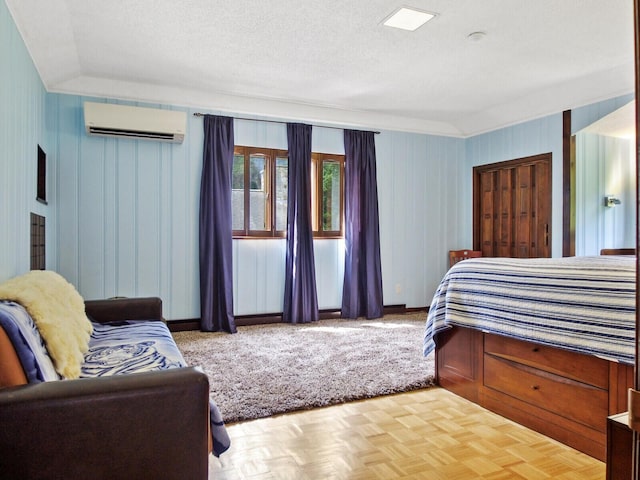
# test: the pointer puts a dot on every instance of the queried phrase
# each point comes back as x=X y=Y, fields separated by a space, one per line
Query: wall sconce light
x=611 y=201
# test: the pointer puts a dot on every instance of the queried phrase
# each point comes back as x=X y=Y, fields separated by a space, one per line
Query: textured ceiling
x=332 y=61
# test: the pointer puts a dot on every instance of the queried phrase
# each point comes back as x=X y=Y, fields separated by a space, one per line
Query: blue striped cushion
x=27 y=342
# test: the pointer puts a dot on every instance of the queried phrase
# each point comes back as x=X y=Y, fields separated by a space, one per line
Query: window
x=327 y=194
x=259 y=193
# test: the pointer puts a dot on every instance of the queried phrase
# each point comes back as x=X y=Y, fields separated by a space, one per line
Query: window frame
x=271 y=155
x=317 y=163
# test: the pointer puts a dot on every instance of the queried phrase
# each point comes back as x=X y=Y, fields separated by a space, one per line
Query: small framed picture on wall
x=41 y=195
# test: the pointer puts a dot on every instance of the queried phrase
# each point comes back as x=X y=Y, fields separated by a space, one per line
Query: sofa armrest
x=144 y=425
x=117 y=309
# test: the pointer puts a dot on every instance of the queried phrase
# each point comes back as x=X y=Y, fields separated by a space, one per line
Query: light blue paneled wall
x=23 y=126
x=604 y=166
x=420 y=212
x=127 y=212
x=543 y=135
x=129 y=209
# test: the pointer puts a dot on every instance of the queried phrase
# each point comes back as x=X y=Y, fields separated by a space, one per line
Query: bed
x=549 y=343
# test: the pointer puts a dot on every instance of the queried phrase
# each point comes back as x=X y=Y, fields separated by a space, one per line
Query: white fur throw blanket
x=58 y=311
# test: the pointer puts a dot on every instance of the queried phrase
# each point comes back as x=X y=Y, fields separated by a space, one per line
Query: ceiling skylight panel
x=407 y=18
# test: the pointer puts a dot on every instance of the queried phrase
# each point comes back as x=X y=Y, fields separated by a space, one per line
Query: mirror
x=606 y=183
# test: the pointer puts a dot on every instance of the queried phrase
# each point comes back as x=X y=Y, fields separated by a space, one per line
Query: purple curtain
x=216 y=274
x=362 y=289
x=300 y=295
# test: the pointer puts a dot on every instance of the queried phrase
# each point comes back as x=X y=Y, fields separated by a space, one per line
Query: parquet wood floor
x=426 y=434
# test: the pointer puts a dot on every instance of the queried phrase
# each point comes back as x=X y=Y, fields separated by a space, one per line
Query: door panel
x=524 y=221
x=504 y=233
x=487 y=192
x=542 y=196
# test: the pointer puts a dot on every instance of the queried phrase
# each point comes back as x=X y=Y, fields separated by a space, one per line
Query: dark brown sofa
x=143 y=425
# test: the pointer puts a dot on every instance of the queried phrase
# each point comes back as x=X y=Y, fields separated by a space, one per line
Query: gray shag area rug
x=265 y=370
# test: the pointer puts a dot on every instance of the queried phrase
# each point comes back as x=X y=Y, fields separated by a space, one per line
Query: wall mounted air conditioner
x=124 y=121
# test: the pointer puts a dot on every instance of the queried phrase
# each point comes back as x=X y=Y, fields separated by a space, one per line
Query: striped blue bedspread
x=582 y=304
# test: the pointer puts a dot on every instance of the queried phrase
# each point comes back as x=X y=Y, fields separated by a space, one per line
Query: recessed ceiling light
x=408 y=19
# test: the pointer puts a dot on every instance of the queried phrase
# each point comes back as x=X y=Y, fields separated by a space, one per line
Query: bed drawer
x=582 y=368
x=574 y=400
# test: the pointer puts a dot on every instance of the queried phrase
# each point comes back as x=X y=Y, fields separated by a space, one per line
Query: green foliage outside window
x=330 y=201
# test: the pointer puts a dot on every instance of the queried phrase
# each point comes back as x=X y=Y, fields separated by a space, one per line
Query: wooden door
x=512 y=208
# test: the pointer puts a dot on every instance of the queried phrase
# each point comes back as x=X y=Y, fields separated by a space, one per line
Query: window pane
x=330 y=196
x=258 y=194
x=237 y=193
x=282 y=182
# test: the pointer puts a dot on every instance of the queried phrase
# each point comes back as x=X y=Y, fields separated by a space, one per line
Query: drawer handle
x=536 y=387
x=536 y=349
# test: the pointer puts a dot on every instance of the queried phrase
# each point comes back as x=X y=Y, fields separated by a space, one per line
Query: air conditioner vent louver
x=123 y=121
x=116 y=132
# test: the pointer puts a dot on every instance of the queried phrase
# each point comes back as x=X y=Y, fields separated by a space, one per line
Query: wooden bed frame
x=561 y=394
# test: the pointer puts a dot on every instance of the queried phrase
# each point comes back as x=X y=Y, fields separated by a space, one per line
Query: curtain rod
x=198 y=114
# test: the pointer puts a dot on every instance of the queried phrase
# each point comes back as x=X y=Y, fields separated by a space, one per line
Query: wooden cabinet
x=564 y=395
x=512 y=208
